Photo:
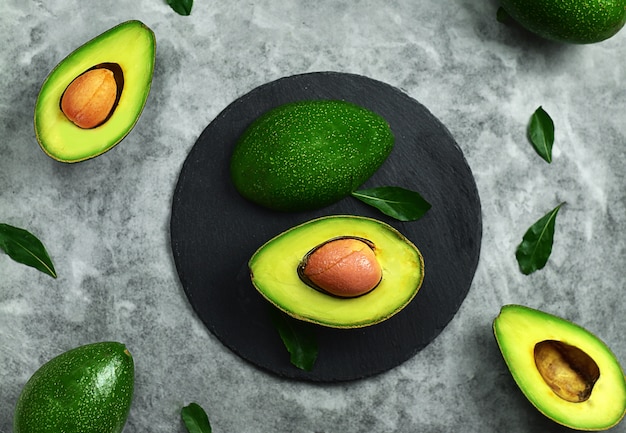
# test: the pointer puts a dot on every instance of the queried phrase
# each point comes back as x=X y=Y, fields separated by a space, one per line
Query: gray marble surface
x=105 y=221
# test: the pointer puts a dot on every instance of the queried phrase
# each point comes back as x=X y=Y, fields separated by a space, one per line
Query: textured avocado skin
x=84 y=390
x=309 y=154
x=572 y=21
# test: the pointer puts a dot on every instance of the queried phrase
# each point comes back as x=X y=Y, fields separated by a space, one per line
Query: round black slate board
x=214 y=231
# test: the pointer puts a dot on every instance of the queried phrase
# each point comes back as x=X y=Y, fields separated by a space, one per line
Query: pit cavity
x=567 y=370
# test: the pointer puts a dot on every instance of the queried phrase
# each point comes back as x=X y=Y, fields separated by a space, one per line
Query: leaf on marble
x=181 y=7
x=25 y=248
x=195 y=418
x=534 y=251
x=396 y=202
x=541 y=133
x=298 y=337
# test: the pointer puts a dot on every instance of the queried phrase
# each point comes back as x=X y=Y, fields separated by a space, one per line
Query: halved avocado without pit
x=277 y=271
x=565 y=371
x=93 y=98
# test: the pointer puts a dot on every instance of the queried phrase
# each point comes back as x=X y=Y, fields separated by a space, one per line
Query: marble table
x=105 y=221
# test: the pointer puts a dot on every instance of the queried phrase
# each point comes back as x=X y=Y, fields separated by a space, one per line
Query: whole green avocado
x=87 y=389
x=571 y=21
x=309 y=154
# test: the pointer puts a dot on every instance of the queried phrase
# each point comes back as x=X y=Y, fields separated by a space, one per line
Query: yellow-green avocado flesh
x=520 y=331
x=273 y=270
x=132 y=47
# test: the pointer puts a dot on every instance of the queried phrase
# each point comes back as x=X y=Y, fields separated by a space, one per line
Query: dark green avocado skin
x=309 y=154
x=570 y=21
x=88 y=389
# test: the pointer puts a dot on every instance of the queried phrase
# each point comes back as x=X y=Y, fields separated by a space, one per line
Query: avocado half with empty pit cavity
x=93 y=98
x=566 y=372
x=287 y=271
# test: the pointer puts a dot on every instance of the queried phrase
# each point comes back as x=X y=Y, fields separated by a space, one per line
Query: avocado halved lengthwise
x=565 y=371
x=120 y=65
x=274 y=270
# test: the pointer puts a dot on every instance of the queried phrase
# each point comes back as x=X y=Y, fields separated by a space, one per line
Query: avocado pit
x=345 y=267
x=569 y=372
x=91 y=98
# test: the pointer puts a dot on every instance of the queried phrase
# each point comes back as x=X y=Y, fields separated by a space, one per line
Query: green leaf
x=25 y=248
x=181 y=7
x=399 y=203
x=195 y=419
x=541 y=133
x=536 y=246
x=298 y=337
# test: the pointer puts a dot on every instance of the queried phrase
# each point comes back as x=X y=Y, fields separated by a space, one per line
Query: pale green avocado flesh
x=127 y=49
x=572 y=21
x=274 y=272
x=87 y=389
x=309 y=154
x=566 y=372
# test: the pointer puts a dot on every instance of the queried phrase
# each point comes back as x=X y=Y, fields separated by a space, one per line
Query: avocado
x=572 y=21
x=87 y=389
x=308 y=154
x=566 y=372
x=277 y=268
x=93 y=98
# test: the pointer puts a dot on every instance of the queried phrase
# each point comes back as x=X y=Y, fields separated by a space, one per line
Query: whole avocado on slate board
x=214 y=231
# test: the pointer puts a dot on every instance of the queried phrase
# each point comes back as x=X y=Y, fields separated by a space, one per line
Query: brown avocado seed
x=569 y=371
x=344 y=267
x=90 y=98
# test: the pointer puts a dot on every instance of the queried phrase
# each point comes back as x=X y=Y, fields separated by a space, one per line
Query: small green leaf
x=396 y=202
x=536 y=246
x=541 y=133
x=25 y=248
x=181 y=7
x=298 y=337
x=195 y=419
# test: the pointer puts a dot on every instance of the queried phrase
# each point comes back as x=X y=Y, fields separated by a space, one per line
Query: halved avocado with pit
x=117 y=64
x=276 y=270
x=565 y=371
